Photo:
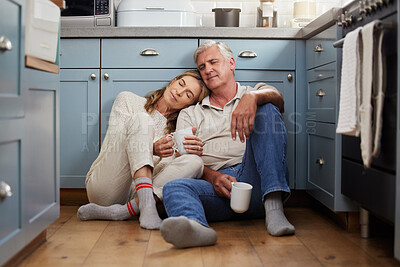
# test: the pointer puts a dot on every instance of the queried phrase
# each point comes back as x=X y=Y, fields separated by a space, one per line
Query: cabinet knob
x=149 y=52
x=5 y=44
x=320 y=161
x=106 y=76
x=93 y=76
x=290 y=77
x=320 y=93
x=247 y=54
x=319 y=48
x=5 y=190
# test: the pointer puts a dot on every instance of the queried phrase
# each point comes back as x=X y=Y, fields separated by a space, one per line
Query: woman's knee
x=192 y=161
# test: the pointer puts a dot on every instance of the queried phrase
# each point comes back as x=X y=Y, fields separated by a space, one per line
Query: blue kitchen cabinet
x=29 y=181
x=79 y=124
x=323 y=144
x=79 y=109
x=12 y=122
x=41 y=186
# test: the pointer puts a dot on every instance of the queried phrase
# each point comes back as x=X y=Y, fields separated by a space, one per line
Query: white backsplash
x=248 y=17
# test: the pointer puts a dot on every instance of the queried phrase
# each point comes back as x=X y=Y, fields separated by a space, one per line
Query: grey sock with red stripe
x=116 y=212
x=149 y=218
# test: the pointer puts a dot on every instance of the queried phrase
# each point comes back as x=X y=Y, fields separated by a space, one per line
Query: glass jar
x=304 y=11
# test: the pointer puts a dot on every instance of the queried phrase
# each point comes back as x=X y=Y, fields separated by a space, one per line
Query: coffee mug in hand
x=240 y=196
x=179 y=137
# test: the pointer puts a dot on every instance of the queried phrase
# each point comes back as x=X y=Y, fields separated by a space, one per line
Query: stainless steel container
x=226 y=17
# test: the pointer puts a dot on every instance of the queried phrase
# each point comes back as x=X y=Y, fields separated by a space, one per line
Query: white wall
x=248 y=15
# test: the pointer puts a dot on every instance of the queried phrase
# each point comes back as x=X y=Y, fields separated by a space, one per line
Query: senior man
x=257 y=156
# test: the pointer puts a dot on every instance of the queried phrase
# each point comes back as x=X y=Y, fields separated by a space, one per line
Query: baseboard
x=73 y=196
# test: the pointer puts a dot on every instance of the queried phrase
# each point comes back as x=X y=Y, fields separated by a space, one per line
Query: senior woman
x=137 y=152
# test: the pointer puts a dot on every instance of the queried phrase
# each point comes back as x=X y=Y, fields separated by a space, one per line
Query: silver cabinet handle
x=290 y=77
x=320 y=93
x=106 y=76
x=5 y=190
x=319 y=48
x=320 y=161
x=247 y=54
x=93 y=76
x=5 y=44
x=149 y=52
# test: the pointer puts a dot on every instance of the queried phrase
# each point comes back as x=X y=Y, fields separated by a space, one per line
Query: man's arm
x=243 y=116
x=268 y=94
x=221 y=182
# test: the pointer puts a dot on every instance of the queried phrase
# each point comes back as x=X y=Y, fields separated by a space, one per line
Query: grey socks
x=185 y=233
x=275 y=219
x=116 y=212
x=149 y=218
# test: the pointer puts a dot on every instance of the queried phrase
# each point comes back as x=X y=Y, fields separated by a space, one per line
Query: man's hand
x=243 y=116
x=221 y=182
x=163 y=147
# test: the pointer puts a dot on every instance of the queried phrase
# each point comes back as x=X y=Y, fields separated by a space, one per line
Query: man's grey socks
x=185 y=233
x=275 y=219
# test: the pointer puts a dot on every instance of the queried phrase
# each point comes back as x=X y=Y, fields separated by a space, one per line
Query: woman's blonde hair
x=151 y=103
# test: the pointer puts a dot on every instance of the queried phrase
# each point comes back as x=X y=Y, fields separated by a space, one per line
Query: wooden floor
x=318 y=242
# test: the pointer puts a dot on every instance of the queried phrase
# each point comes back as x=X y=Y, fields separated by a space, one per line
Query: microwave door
x=78 y=8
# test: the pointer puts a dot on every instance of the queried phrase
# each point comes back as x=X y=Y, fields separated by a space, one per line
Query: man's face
x=215 y=70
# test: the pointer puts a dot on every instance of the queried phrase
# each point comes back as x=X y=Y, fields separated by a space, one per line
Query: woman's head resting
x=184 y=90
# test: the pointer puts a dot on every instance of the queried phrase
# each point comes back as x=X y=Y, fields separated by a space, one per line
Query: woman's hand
x=193 y=144
x=163 y=147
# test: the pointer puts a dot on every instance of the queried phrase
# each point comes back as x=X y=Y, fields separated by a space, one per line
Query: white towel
x=348 y=121
x=369 y=78
x=378 y=90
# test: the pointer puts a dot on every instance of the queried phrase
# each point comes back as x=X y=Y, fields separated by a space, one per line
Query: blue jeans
x=263 y=166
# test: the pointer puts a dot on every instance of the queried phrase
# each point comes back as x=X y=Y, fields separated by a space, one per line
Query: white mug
x=179 y=137
x=240 y=196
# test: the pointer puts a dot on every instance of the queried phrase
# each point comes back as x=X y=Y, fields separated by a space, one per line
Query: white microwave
x=87 y=13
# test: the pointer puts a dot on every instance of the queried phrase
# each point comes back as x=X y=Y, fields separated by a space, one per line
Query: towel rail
x=380 y=25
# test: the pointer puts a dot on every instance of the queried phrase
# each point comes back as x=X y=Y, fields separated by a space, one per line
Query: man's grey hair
x=223 y=48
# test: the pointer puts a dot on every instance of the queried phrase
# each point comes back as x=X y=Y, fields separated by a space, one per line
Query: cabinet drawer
x=148 y=53
x=80 y=53
x=321 y=155
x=322 y=93
x=263 y=54
x=319 y=52
x=10 y=166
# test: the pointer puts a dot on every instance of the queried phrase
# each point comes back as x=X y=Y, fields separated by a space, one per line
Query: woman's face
x=182 y=93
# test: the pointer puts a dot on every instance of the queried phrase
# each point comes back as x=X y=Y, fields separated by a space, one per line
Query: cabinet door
x=139 y=82
x=40 y=191
x=79 y=124
x=285 y=84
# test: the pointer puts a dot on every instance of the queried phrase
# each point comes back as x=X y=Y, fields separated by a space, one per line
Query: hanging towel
x=369 y=78
x=348 y=121
x=378 y=90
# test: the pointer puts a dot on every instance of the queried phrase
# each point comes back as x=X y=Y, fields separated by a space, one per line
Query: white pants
x=109 y=180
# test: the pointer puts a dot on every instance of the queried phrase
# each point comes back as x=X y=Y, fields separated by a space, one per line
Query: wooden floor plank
x=69 y=245
x=318 y=242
